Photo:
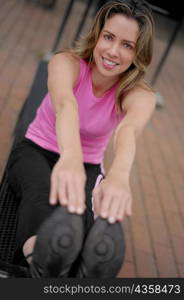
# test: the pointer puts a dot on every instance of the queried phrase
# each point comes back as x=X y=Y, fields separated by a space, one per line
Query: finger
x=53 y=197
x=80 y=197
x=62 y=194
x=96 y=205
x=71 y=193
x=129 y=208
x=96 y=198
x=114 y=210
x=121 y=211
x=104 y=206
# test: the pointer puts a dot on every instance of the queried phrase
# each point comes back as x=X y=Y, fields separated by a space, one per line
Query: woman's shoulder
x=142 y=88
x=70 y=60
x=66 y=65
x=66 y=57
x=140 y=93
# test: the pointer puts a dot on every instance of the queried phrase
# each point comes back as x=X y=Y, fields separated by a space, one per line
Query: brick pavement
x=154 y=234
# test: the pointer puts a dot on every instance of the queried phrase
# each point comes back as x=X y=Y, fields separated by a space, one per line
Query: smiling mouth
x=109 y=63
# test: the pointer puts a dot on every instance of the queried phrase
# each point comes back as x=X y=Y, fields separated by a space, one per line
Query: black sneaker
x=58 y=243
x=103 y=252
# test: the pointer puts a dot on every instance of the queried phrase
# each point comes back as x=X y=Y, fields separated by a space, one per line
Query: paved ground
x=154 y=234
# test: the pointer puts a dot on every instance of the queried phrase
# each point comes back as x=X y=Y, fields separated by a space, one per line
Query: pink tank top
x=97 y=116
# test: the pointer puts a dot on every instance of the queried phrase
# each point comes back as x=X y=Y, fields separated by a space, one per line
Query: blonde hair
x=138 y=10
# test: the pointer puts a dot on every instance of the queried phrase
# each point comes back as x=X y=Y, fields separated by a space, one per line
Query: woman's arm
x=63 y=71
x=112 y=198
x=139 y=106
x=68 y=176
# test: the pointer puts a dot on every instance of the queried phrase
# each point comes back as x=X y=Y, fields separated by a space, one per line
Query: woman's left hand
x=112 y=198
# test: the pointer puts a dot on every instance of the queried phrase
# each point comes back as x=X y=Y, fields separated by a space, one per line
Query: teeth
x=111 y=63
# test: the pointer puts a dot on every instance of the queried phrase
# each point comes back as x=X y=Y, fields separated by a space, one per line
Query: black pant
x=30 y=168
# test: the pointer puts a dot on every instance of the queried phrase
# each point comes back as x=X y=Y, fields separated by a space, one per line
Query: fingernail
x=111 y=220
x=52 y=202
x=79 y=210
x=71 y=209
x=104 y=215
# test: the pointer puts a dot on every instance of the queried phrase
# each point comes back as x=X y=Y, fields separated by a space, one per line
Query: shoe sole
x=103 y=251
x=58 y=243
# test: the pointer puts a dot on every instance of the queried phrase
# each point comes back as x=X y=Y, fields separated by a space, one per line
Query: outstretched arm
x=112 y=197
x=68 y=175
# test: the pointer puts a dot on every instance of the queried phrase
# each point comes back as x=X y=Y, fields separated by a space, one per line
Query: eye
x=127 y=45
x=107 y=37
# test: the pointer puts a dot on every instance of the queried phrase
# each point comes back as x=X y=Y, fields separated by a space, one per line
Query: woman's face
x=115 y=49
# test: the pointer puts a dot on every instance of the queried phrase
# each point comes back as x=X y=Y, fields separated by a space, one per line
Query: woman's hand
x=67 y=184
x=112 y=198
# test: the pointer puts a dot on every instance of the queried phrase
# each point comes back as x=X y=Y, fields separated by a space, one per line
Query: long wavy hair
x=138 y=10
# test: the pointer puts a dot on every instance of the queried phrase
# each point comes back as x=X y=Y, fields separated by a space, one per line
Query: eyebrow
x=123 y=39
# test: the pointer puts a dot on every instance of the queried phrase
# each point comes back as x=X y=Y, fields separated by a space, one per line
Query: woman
x=94 y=88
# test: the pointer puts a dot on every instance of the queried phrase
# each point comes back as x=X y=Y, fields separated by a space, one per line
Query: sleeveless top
x=98 y=118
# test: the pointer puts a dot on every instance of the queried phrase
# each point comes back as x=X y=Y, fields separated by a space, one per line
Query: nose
x=113 y=50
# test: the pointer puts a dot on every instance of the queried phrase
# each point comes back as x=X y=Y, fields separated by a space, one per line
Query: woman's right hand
x=68 y=180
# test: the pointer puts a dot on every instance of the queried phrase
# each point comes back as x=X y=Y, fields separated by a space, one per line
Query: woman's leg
x=50 y=233
x=29 y=175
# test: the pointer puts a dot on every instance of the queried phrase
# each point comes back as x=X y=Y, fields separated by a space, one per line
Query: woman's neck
x=100 y=83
